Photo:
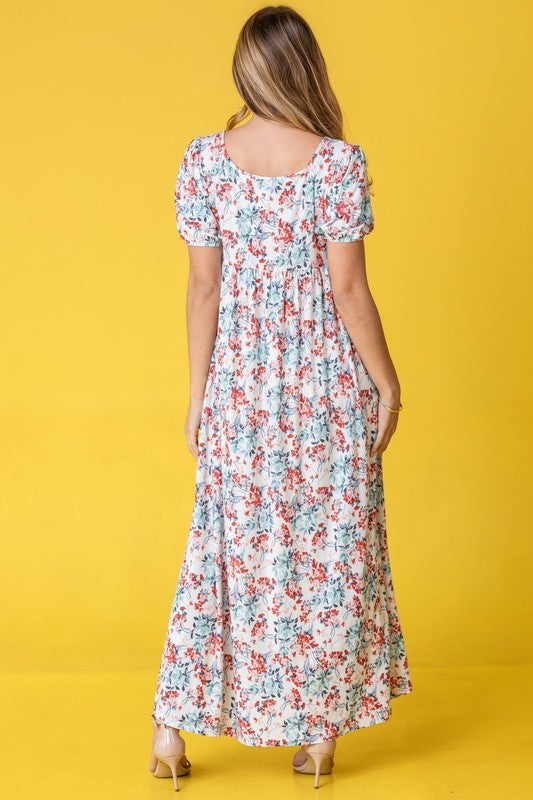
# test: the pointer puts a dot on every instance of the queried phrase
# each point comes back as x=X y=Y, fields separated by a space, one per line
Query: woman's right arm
x=203 y=297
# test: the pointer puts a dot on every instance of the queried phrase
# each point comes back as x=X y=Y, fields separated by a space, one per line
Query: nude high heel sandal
x=168 y=753
x=155 y=766
x=319 y=759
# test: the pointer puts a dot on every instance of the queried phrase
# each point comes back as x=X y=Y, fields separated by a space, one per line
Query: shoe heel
x=318 y=752
x=317 y=758
x=171 y=761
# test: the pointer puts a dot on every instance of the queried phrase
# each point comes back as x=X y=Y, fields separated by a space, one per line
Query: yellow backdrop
x=97 y=482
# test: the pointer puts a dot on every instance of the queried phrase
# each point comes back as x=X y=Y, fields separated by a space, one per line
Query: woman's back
x=276 y=304
x=328 y=195
x=269 y=149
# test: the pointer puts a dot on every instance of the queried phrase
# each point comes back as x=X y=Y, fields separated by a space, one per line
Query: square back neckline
x=302 y=171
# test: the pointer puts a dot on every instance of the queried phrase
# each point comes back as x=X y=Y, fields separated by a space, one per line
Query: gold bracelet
x=393 y=410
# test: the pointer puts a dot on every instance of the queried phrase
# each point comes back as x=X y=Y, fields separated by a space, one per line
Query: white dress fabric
x=283 y=628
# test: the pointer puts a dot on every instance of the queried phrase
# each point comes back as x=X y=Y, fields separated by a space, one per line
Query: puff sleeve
x=195 y=219
x=344 y=209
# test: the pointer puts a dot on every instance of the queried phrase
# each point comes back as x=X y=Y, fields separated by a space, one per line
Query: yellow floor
x=463 y=733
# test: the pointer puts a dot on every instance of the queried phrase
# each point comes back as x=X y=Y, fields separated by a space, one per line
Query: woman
x=284 y=628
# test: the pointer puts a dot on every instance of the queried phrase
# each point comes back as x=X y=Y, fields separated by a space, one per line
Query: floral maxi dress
x=284 y=627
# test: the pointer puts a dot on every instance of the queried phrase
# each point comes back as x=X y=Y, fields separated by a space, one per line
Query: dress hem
x=204 y=730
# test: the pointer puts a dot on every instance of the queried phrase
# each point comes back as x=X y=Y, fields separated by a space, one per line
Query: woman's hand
x=192 y=426
x=387 y=423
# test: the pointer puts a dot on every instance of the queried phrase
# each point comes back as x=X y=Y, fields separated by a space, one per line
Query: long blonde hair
x=280 y=73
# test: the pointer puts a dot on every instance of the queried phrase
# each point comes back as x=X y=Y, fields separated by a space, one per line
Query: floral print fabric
x=283 y=628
